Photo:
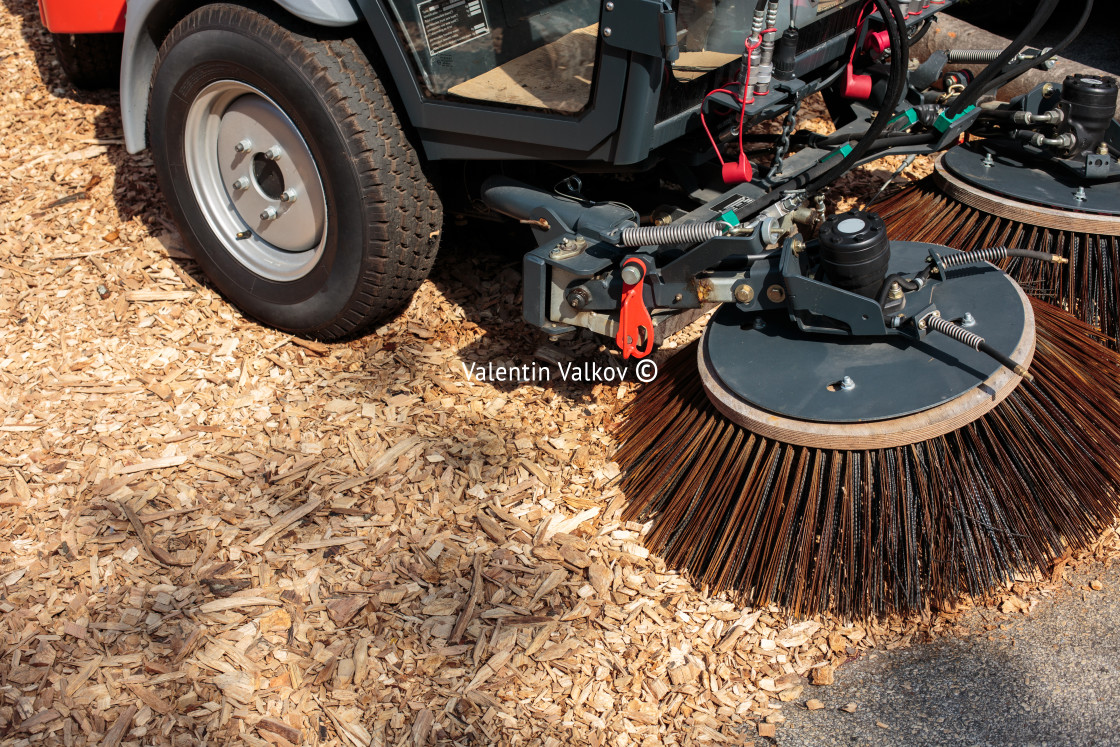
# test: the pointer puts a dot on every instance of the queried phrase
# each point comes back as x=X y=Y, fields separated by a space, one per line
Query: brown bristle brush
x=902 y=529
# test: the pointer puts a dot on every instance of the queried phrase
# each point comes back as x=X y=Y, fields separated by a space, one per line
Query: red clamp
x=633 y=316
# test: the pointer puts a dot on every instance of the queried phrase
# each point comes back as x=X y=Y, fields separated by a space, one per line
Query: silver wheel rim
x=256 y=181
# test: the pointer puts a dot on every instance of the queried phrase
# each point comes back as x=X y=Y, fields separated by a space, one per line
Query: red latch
x=634 y=317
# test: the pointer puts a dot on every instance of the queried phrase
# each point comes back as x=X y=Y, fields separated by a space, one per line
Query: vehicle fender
x=82 y=16
x=146 y=21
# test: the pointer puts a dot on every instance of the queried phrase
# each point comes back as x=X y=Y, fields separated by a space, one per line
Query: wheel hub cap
x=256 y=181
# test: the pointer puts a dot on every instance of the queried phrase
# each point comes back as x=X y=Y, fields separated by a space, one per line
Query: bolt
x=631 y=274
x=609 y=6
x=797 y=246
x=678 y=298
x=1047 y=89
x=269 y=213
x=607 y=31
x=1102 y=149
x=289 y=195
x=847 y=384
x=274 y=153
x=759 y=323
x=968 y=319
x=243 y=145
x=578 y=298
x=242 y=183
x=1080 y=195
x=776 y=293
x=895 y=292
x=744 y=294
x=988 y=161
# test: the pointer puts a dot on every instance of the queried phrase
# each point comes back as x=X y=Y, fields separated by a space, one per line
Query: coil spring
x=674 y=233
x=973 y=55
x=991 y=254
x=958 y=333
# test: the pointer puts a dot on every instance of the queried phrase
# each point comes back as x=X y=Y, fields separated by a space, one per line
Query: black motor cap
x=855 y=251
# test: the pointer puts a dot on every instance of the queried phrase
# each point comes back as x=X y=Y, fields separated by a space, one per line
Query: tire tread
x=402 y=212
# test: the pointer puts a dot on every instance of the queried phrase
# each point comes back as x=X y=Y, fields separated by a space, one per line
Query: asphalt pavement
x=1050 y=678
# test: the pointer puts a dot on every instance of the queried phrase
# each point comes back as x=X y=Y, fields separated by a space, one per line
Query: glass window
x=527 y=53
x=710 y=34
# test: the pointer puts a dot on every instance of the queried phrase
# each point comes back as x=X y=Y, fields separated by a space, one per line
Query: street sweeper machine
x=856 y=428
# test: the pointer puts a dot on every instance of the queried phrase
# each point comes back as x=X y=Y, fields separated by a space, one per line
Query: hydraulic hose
x=958 y=258
x=981 y=82
x=1025 y=65
x=821 y=175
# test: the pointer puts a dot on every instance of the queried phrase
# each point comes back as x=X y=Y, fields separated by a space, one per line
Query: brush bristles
x=1088 y=286
x=864 y=533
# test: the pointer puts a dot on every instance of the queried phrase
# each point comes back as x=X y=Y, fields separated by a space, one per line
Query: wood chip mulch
x=212 y=533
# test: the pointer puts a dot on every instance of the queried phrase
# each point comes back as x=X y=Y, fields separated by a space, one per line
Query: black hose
x=995 y=254
x=981 y=82
x=813 y=179
x=958 y=258
x=890 y=139
x=935 y=323
x=903 y=282
x=1020 y=67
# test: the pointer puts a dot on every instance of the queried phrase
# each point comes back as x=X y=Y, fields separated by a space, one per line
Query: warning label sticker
x=449 y=23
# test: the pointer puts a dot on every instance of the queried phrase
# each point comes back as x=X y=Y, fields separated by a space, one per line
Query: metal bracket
x=647 y=27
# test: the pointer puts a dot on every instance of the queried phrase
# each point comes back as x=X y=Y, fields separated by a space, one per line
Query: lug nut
x=269 y=213
x=243 y=145
x=289 y=195
x=242 y=183
x=274 y=153
x=895 y=292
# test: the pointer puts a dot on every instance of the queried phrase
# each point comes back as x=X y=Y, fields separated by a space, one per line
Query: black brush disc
x=788 y=384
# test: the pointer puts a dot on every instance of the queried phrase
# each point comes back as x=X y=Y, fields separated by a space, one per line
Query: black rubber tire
x=90 y=61
x=384 y=217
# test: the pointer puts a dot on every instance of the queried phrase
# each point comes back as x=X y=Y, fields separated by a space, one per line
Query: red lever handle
x=634 y=317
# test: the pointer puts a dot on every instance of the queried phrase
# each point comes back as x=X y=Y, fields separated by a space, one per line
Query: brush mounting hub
x=786 y=383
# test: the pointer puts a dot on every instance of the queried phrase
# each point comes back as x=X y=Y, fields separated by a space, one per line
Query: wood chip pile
x=212 y=533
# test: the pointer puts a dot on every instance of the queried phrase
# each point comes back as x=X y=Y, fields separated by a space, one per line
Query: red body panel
x=82 y=16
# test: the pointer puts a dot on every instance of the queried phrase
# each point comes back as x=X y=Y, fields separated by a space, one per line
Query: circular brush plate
x=784 y=384
x=1003 y=206
x=1015 y=177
